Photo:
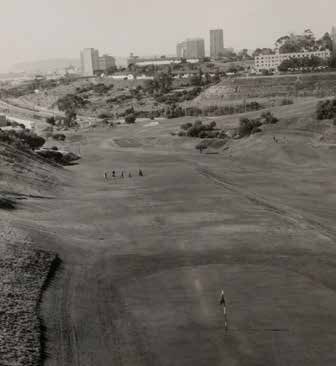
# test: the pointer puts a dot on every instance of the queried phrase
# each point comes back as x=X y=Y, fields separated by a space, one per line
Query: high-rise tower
x=216 y=43
x=89 y=61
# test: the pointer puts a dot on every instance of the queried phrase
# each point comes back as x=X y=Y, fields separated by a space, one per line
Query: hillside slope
x=304 y=85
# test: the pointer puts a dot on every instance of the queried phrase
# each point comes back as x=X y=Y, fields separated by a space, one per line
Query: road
x=145 y=259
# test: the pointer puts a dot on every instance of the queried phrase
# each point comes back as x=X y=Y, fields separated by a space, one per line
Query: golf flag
x=222 y=299
x=222 y=302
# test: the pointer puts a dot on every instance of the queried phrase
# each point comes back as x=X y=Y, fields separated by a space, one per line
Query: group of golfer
x=122 y=174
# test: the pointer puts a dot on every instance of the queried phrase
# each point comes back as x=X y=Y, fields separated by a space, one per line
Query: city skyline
x=45 y=30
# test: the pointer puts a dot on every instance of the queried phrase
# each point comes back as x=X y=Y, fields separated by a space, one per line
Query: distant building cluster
x=272 y=62
x=194 y=48
x=91 y=62
x=191 y=48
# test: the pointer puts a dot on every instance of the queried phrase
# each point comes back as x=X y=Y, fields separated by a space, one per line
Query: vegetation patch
x=175 y=111
x=22 y=139
x=326 y=109
x=23 y=274
x=249 y=126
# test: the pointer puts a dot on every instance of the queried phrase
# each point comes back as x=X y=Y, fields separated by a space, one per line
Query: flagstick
x=223 y=302
x=225 y=319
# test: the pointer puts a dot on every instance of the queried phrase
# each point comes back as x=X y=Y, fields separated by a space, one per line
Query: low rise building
x=273 y=61
x=147 y=61
x=106 y=62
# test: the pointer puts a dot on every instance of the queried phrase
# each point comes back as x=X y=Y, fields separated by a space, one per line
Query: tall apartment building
x=89 y=61
x=272 y=62
x=106 y=62
x=216 y=43
x=333 y=38
x=191 y=48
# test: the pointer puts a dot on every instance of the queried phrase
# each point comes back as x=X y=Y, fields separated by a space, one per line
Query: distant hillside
x=303 y=85
x=45 y=65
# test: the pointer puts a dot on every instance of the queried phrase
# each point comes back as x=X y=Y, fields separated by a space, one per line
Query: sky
x=41 y=29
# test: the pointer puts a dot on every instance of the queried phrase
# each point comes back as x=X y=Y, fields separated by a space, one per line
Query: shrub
x=198 y=129
x=105 y=115
x=70 y=102
x=326 y=109
x=186 y=126
x=268 y=118
x=51 y=120
x=22 y=139
x=59 y=136
x=246 y=126
x=130 y=118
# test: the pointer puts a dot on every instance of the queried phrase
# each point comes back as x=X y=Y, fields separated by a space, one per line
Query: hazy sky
x=41 y=29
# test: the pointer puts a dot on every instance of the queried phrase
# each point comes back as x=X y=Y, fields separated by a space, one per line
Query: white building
x=272 y=62
x=89 y=61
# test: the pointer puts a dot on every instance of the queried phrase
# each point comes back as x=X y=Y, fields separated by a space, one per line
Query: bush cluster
x=174 y=111
x=130 y=118
x=326 y=109
x=248 y=126
x=24 y=139
x=180 y=96
x=200 y=130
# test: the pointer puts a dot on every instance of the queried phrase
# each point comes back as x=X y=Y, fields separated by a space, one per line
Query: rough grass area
x=24 y=273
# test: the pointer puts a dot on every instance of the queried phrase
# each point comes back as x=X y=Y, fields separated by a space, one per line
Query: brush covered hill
x=284 y=86
x=95 y=98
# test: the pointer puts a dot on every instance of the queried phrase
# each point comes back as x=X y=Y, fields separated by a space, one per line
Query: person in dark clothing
x=140 y=173
x=113 y=174
x=122 y=174
x=129 y=175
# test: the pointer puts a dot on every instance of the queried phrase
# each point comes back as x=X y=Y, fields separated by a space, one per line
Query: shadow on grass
x=54 y=267
x=7 y=203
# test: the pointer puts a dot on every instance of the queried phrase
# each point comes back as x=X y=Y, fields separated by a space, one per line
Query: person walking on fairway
x=122 y=174
x=105 y=176
x=113 y=173
x=140 y=173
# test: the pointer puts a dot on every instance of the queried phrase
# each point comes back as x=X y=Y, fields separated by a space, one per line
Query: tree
x=325 y=42
x=303 y=42
x=262 y=51
x=161 y=84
